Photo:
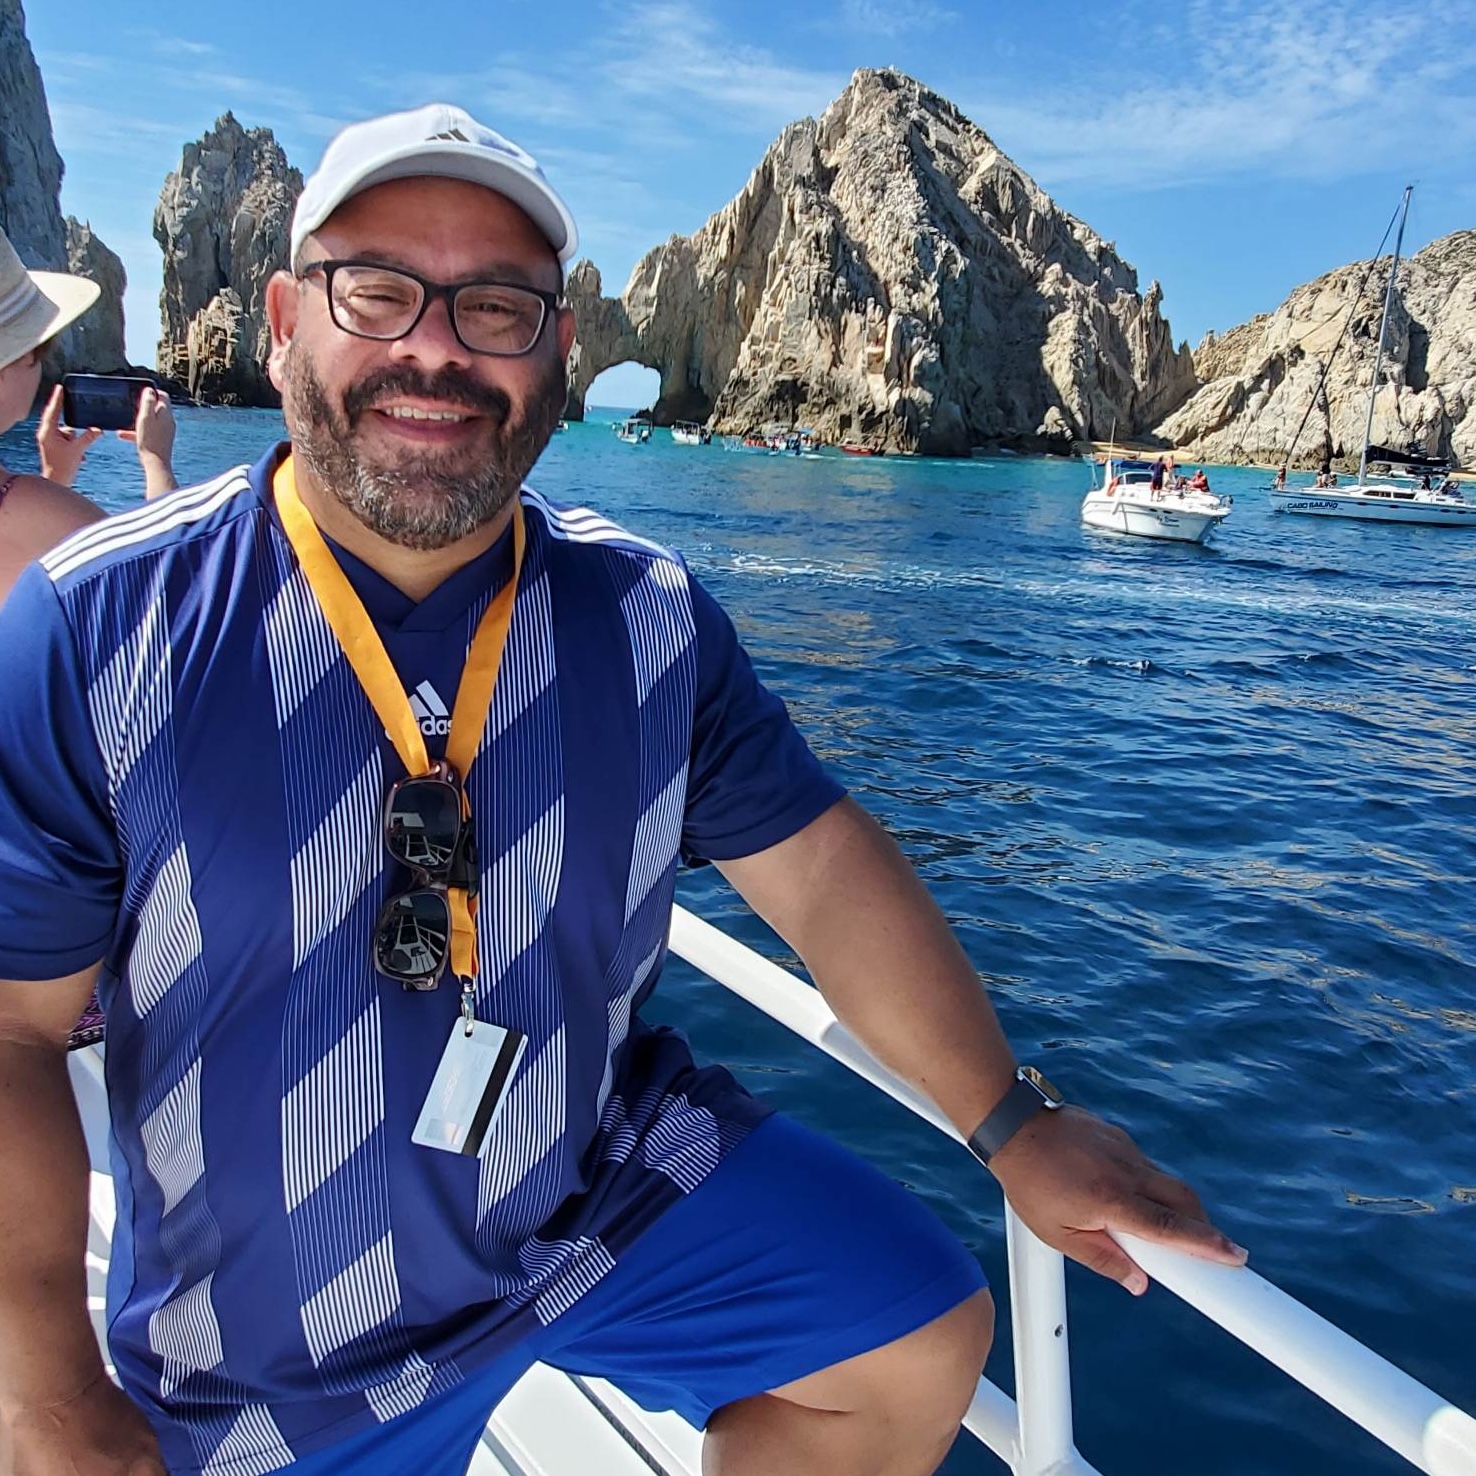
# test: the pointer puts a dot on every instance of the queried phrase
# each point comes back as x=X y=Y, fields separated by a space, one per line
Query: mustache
x=452 y=385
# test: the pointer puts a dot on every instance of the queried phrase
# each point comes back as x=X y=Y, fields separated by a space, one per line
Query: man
x=279 y=704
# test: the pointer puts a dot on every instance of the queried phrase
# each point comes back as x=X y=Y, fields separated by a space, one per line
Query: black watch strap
x=1029 y=1093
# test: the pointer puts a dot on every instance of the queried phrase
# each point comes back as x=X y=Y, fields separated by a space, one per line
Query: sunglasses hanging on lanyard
x=427 y=817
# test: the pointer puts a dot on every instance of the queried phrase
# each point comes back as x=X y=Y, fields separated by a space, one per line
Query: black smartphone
x=101 y=401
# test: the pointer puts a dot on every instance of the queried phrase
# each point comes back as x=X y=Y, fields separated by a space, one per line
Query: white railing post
x=1042 y=1352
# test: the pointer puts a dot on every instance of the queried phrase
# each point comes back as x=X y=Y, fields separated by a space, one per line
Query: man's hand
x=1072 y=1177
x=61 y=448
x=97 y=1432
x=153 y=436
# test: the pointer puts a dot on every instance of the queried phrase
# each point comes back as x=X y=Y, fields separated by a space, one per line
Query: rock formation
x=30 y=167
x=888 y=276
x=223 y=221
x=97 y=339
x=1261 y=378
x=30 y=202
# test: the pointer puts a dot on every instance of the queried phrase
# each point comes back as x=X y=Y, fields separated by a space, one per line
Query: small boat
x=634 y=432
x=1129 y=503
x=1392 y=499
x=689 y=433
x=854 y=448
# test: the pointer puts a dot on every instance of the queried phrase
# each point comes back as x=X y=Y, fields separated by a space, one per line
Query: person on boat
x=1199 y=482
x=1279 y=482
x=1159 y=476
x=37 y=512
x=378 y=1150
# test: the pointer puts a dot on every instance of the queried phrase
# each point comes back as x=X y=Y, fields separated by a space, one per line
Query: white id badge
x=469 y=1089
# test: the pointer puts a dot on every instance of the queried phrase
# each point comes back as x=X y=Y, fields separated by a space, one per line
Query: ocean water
x=1204 y=820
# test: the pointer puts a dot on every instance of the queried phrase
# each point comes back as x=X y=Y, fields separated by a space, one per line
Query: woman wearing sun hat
x=36 y=513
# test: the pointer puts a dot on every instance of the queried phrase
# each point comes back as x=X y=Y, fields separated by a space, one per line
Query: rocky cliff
x=223 y=221
x=1261 y=378
x=888 y=276
x=97 y=339
x=30 y=202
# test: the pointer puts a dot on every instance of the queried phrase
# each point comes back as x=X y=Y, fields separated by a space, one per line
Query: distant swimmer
x=37 y=512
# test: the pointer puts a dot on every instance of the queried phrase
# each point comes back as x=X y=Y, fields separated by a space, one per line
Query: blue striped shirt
x=191 y=789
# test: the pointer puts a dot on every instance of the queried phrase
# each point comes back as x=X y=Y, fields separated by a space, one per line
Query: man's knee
x=946 y=1365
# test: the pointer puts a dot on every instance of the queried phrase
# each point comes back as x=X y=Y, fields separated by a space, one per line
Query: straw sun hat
x=36 y=305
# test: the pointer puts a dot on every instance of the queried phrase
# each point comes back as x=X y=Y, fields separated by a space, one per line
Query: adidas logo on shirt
x=430 y=712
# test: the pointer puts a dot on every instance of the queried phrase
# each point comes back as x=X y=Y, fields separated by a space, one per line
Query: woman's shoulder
x=35 y=515
x=46 y=505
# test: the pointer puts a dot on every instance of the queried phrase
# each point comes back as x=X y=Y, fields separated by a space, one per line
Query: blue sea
x=1204 y=820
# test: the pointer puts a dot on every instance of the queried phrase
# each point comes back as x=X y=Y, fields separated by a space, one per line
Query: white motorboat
x=1128 y=502
x=689 y=433
x=557 y=1424
x=634 y=432
x=1393 y=500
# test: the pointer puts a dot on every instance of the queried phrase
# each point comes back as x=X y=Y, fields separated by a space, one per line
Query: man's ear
x=567 y=328
x=283 y=300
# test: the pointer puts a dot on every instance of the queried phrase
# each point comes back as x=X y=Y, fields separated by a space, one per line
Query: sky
x=1231 y=150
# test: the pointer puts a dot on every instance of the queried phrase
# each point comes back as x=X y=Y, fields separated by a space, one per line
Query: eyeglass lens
x=413 y=936
x=491 y=318
x=423 y=824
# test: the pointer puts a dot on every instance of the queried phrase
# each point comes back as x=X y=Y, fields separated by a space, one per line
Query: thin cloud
x=1305 y=90
x=181 y=46
x=893 y=19
x=696 y=63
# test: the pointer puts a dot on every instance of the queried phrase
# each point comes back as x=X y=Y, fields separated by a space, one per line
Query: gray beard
x=425 y=501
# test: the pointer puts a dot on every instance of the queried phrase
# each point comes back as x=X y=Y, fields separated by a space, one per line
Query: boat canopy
x=1412 y=459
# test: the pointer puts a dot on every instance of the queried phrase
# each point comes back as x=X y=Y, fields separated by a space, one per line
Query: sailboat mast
x=1373 y=389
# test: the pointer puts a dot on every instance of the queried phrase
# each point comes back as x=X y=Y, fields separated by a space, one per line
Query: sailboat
x=1391 y=500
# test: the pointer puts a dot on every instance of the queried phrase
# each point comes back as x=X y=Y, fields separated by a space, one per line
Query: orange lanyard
x=350 y=622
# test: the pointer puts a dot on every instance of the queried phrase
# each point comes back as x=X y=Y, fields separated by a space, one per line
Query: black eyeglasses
x=426 y=830
x=385 y=303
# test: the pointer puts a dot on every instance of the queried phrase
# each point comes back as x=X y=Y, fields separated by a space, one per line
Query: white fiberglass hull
x=686 y=438
x=1383 y=507
x=1170 y=519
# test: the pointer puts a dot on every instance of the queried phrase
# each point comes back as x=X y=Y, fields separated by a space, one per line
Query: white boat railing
x=1033 y=1432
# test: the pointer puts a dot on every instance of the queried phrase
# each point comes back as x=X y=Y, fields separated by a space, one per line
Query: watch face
x=1053 y=1097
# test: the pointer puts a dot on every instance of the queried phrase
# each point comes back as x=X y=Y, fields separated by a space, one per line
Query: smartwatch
x=1029 y=1093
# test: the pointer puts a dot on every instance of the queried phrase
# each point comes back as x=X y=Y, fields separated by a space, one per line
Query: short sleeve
x=60 y=869
x=753 y=781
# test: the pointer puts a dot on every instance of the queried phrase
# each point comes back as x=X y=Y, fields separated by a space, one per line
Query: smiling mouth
x=413 y=412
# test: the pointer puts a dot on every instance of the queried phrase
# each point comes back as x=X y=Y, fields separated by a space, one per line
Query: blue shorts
x=791 y=1256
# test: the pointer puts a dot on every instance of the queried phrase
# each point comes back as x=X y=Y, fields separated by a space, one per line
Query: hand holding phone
x=61 y=448
x=102 y=401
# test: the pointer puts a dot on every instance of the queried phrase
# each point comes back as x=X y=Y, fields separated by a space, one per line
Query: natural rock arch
x=887 y=275
x=608 y=335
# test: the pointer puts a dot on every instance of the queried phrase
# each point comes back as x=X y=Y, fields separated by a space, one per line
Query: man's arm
x=843 y=896
x=56 y=1403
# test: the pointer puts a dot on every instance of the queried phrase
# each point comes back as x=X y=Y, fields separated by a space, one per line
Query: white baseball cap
x=439 y=140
